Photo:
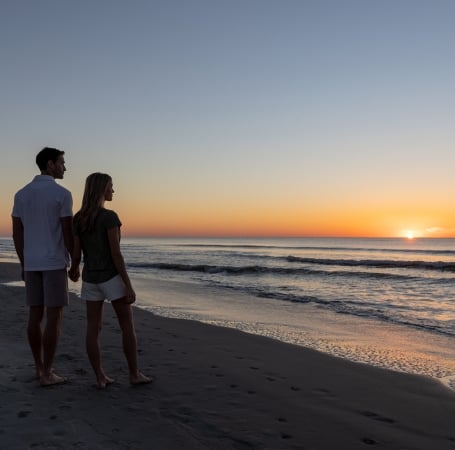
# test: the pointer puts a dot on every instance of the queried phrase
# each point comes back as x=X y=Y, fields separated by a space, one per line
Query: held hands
x=74 y=273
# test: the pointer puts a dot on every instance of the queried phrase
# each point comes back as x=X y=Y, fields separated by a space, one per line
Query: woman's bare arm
x=114 y=245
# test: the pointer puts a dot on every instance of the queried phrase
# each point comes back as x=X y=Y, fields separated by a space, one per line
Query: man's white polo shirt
x=40 y=205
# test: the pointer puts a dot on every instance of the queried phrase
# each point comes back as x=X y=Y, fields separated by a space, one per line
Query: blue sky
x=283 y=117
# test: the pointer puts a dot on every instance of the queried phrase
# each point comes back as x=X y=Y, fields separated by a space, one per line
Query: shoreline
x=386 y=345
x=216 y=388
x=391 y=346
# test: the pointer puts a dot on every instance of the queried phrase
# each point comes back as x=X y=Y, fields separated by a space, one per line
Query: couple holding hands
x=45 y=235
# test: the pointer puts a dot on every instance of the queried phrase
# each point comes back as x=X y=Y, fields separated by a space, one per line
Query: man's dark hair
x=47 y=154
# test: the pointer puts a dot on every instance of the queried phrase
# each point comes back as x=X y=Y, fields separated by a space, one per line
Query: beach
x=215 y=388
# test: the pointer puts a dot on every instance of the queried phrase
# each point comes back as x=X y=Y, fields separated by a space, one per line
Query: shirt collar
x=43 y=178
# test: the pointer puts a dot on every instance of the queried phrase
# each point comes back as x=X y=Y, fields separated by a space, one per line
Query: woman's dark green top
x=98 y=264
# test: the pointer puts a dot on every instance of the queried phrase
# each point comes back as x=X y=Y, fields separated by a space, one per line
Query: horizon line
x=259 y=236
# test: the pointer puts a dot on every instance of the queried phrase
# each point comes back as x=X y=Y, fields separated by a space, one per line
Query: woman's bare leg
x=124 y=313
x=94 y=325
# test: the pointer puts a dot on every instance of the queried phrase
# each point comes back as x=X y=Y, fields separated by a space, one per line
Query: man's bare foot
x=140 y=378
x=103 y=382
x=51 y=379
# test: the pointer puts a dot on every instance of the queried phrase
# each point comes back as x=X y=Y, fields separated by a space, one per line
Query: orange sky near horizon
x=276 y=220
x=185 y=209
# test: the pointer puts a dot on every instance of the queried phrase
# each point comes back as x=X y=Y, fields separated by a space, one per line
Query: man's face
x=58 y=168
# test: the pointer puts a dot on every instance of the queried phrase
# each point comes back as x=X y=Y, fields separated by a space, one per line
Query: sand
x=215 y=388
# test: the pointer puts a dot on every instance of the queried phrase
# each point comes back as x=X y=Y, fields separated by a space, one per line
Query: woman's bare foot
x=51 y=379
x=40 y=372
x=140 y=378
x=103 y=382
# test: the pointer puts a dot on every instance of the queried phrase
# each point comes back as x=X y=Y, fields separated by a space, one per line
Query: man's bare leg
x=35 y=337
x=50 y=340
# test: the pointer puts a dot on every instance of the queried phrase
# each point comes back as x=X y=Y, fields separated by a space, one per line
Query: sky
x=238 y=117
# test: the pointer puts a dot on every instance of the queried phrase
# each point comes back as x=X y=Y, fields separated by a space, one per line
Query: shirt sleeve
x=111 y=220
x=67 y=205
x=17 y=210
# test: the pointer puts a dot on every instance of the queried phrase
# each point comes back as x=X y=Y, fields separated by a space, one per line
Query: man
x=43 y=238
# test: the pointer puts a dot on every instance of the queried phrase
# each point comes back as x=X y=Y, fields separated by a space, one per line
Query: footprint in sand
x=378 y=417
x=60 y=432
x=324 y=392
x=213 y=366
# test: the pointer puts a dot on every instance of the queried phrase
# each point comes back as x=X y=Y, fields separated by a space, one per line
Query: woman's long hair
x=92 y=201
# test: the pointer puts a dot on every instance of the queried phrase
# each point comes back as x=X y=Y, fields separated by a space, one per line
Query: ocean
x=387 y=302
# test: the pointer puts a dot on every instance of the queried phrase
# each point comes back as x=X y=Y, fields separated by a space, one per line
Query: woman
x=104 y=276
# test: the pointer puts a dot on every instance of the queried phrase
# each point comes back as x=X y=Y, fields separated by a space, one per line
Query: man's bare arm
x=74 y=272
x=67 y=230
x=18 y=238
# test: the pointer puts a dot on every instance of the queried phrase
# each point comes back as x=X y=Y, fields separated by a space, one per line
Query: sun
x=410 y=233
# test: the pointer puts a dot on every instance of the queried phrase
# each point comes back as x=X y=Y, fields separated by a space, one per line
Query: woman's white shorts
x=110 y=290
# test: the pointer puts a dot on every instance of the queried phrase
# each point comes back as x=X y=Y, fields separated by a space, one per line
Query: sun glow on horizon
x=412 y=234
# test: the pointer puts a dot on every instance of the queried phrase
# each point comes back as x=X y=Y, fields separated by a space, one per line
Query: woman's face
x=108 y=192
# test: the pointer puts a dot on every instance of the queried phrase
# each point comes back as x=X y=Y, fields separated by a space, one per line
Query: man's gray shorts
x=46 y=287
